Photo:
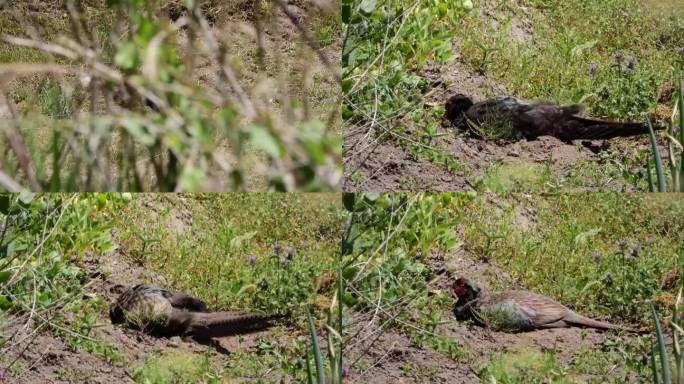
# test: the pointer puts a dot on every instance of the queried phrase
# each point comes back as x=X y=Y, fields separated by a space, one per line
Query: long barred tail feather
x=220 y=324
x=579 y=128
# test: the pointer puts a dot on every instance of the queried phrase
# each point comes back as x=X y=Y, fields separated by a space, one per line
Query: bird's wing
x=573 y=110
x=497 y=110
x=537 y=119
x=186 y=302
x=541 y=309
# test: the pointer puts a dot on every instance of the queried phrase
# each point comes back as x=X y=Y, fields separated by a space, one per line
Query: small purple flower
x=618 y=57
x=291 y=252
x=622 y=243
x=277 y=247
x=251 y=259
x=345 y=371
x=2 y=375
x=597 y=256
x=636 y=250
x=593 y=68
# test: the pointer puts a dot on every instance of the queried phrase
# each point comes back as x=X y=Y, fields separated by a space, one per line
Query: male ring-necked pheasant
x=163 y=313
x=534 y=119
x=517 y=311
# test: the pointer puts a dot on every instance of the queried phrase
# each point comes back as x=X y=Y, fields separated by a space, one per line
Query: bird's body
x=163 y=313
x=517 y=310
x=532 y=120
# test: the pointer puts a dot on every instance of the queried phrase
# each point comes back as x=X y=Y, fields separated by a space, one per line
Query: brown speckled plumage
x=163 y=313
x=517 y=310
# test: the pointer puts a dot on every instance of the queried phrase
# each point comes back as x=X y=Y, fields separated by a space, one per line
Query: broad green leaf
x=346 y=13
x=4 y=276
x=127 y=56
x=349 y=201
x=264 y=140
x=26 y=197
x=368 y=6
x=5 y=304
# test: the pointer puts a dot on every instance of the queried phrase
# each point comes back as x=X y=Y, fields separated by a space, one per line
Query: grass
x=516 y=177
x=553 y=61
x=604 y=255
x=525 y=367
x=177 y=367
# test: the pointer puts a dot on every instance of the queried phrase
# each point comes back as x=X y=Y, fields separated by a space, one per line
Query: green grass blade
x=651 y=186
x=309 y=374
x=681 y=134
x=656 y=155
x=661 y=346
x=654 y=367
x=340 y=294
x=320 y=373
x=56 y=178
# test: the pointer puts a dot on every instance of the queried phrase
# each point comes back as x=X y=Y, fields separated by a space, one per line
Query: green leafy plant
x=675 y=167
x=335 y=341
x=385 y=265
x=386 y=45
x=42 y=239
x=127 y=113
x=661 y=365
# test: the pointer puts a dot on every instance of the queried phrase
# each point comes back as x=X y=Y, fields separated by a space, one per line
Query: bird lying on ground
x=532 y=120
x=517 y=311
x=162 y=313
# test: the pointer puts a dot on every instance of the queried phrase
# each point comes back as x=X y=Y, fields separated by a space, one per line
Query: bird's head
x=118 y=289
x=455 y=106
x=465 y=289
x=116 y=314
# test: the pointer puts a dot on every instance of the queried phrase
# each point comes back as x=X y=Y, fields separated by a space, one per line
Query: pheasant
x=532 y=120
x=163 y=313
x=517 y=311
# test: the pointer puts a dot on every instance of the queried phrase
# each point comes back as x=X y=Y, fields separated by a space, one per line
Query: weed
x=42 y=239
x=386 y=44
